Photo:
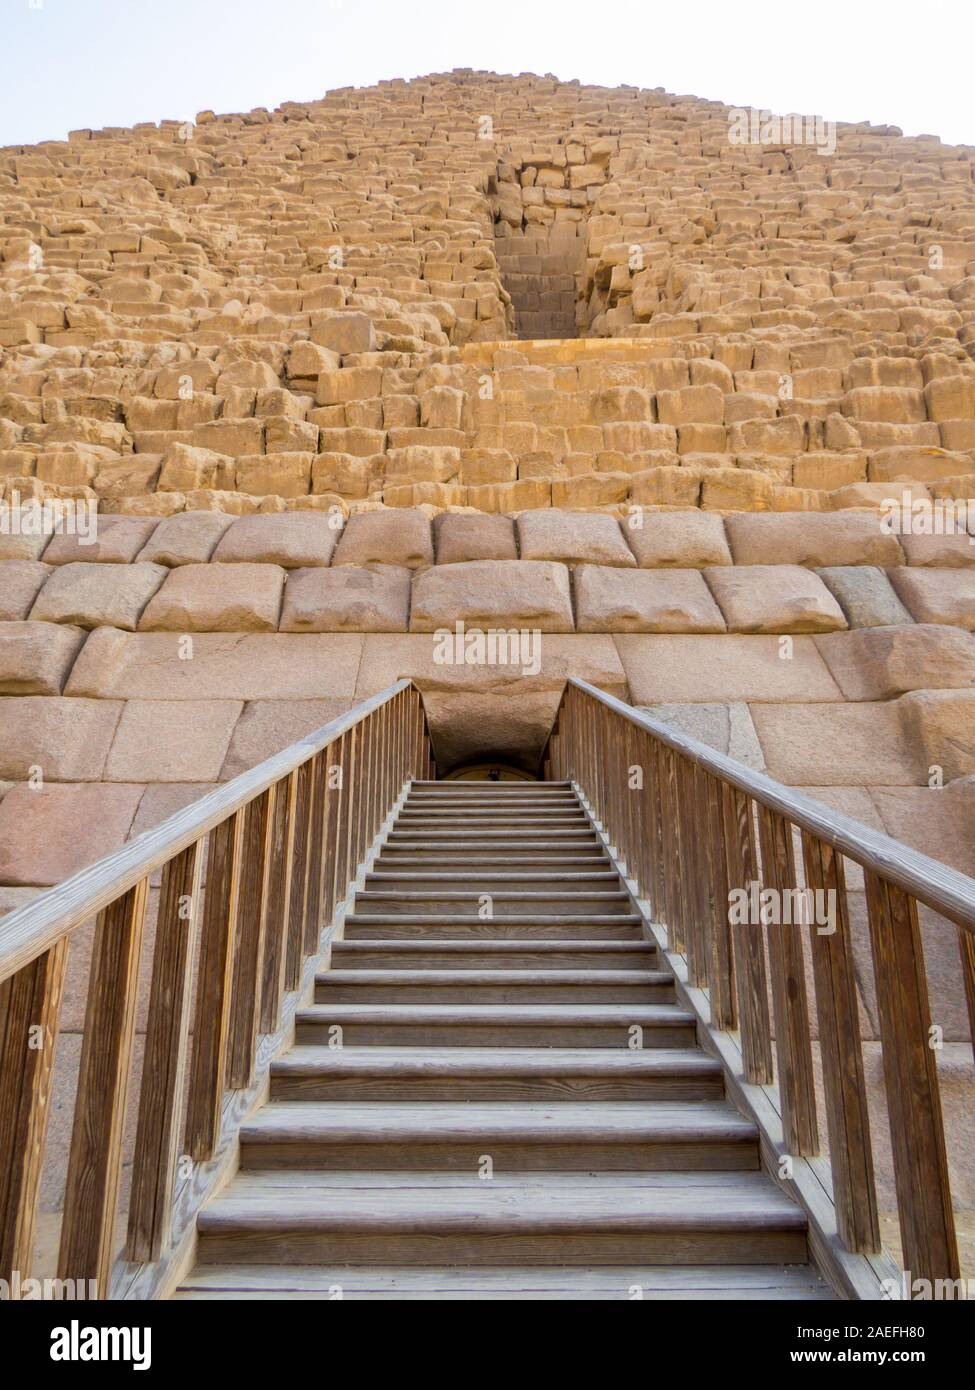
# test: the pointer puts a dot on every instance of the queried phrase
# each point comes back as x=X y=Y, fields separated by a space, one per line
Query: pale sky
x=69 y=64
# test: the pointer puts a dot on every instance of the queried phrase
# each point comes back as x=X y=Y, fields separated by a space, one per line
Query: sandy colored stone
x=865 y=594
x=22 y=545
x=172 y=740
x=20 y=583
x=217 y=598
x=506 y=594
x=671 y=600
x=955 y=551
x=348 y=598
x=189 y=538
x=572 y=538
x=937 y=595
x=117 y=541
x=881 y=662
x=216 y=666
x=35 y=658
x=49 y=834
x=397 y=537
x=811 y=538
x=294 y=540
x=346 y=333
x=267 y=726
x=942 y=724
x=665 y=669
x=98 y=595
x=677 y=540
x=462 y=536
x=774 y=598
x=729 y=729
x=65 y=740
x=862 y=744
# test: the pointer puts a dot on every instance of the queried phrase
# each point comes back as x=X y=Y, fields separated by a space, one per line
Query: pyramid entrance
x=541 y=248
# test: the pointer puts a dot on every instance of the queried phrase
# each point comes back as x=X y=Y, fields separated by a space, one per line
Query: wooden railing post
x=793 y=1046
x=95 y=1161
x=913 y=1099
x=248 y=965
x=751 y=979
x=163 y=1067
x=847 y=1117
x=30 y=1004
x=211 y=1019
x=278 y=902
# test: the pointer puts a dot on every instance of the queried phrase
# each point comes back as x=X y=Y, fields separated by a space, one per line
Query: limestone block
x=480 y=466
x=950 y=398
x=22 y=545
x=784 y=436
x=67 y=740
x=899 y=405
x=189 y=538
x=237 y=438
x=908 y=463
x=592 y=490
x=397 y=537
x=218 y=666
x=20 y=583
x=666 y=487
x=941 y=723
x=422 y=463
x=348 y=598
x=493 y=594
x=572 y=537
x=861 y=744
x=345 y=333
x=669 y=600
x=736 y=490
x=774 y=598
x=118 y=540
x=881 y=662
x=937 y=595
x=811 y=538
x=954 y=551
x=727 y=728
x=865 y=594
x=50 y=833
x=217 y=598
x=172 y=740
x=98 y=595
x=294 y=540
x=268 y=726
x=279 y=475
x=467 y=536
x=347 y=474
x=35 y=658
x=441 y=407
x=693 y=670
x=677 y=540
x=186 y=467
x=691 y=405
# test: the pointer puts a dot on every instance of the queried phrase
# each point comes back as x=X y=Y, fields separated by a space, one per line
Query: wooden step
x=545 y=1218
x=494 y=986
x=442 y=1136
x=502 y=1073
x=616 y=927
x=489 y=954
x=448 y=902
x=498 y=1025
x=393 y=857
x=596 y=1284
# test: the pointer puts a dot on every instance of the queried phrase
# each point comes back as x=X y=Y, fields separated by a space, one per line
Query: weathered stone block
x=493 y=594
x=20 y=583
x=811 y=538
x=693 y=670
x=860 y=744
x=865 y=594
x=668 y=600
x=66 y=740
x=881 y=662
x=348 y=598
x=677 y=540
x=466 y=536
x=189 y=538
x=573 y=538
x=172 y=740
x=118 y=540
x=35 y=658
x=48 y=834
x=98 y=595
x=774 y=598
x=937 y=595
x=398 y=537
x=294 y=540
x=217 y=598
x=268 y=726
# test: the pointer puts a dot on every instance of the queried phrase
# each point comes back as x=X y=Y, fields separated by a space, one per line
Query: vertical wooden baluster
x=966 y=949
x=278 y=902
x=30 y=1006
x=847 y=1118
x=258 y=816
x=363 y=836
x=315 y=890
x=751 y=980
x=658 y=877
x=338 y=813
x=95 y=1161
x=676 y=901
x=211 y=1016
x=304 y=799
x=721 y=971
x=350 y=779
x=163 y=1068
x=793 y=1047
x=911 y=1077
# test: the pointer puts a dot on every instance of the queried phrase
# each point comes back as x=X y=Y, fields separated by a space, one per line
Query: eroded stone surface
x=35 y=658
x=774 y=598
x=678 y=540
x=882 y=662
x=98 y=595
x=493 y=594
x=217 y=598
x=349 y=598
x=572 y=537
x=668 y=600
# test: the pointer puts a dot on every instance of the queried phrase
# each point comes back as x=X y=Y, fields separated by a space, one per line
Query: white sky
x=68 y=64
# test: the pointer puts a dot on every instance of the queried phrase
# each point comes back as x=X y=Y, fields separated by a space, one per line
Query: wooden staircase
x=494 y=1093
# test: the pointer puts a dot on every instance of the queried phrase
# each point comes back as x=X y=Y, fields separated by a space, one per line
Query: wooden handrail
x=280 y=845
x=700 y=832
